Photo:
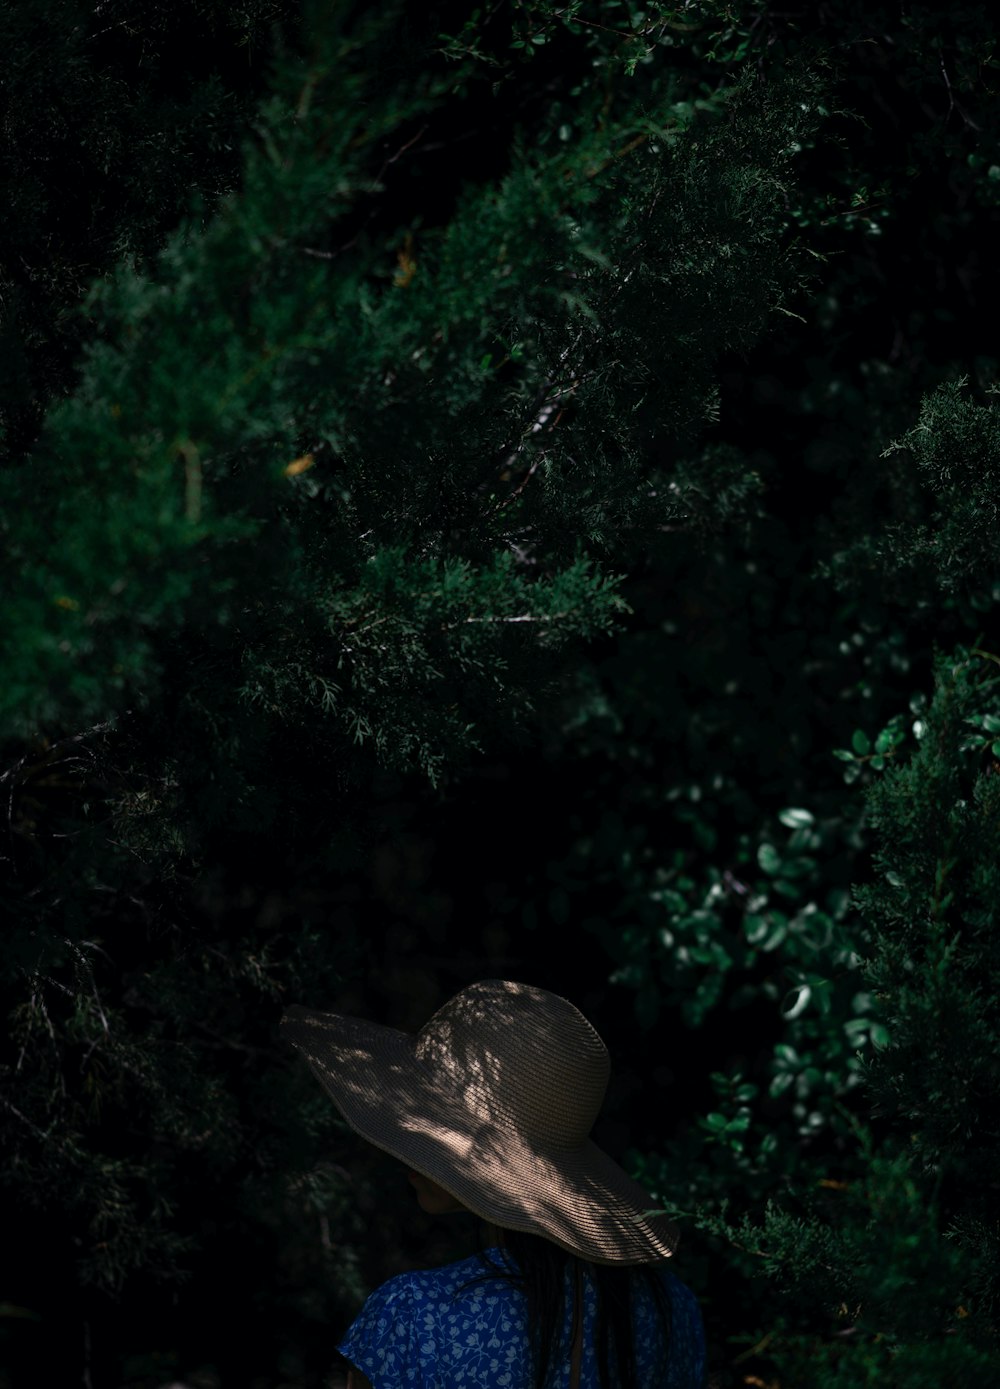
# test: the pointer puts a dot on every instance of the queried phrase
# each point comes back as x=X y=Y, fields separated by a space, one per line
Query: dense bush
x=520 y=500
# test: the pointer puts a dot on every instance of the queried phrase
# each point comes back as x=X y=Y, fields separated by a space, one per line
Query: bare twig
x=332 y=255
x=521 y=617
x=527 y=477
x=402 y=150
x=29 y=1123
x=952 y=103
x=93 y=983
x=37 y=1001
x=61 y=743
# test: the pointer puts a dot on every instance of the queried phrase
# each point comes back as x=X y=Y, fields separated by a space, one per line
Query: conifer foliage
x=351 y=401
x=413 y=455
x=113 y=127
x=335 y=487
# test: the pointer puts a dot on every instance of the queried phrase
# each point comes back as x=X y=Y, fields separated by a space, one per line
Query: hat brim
x=580 y=1199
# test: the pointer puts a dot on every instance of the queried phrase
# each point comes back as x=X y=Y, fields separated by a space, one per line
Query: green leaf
x=860 y=742
x=798 y=867
x=777 y=935
x=673 y=901
x=786 y=889
x=843 y=754
x=755 y=927
x=794 y=817
x=796 y=1001
x=769 y=858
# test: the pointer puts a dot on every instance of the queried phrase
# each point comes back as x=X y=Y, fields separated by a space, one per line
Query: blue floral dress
x=428 y=1331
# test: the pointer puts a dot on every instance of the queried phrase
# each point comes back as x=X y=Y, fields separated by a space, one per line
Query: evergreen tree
x=325 y=496
x=114 y=127
x=355 y=470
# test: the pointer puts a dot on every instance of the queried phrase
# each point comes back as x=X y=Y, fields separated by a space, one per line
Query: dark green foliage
x=950 y=472
x=318 y=498
x=906 y=1247
x=114 y=127
x=514 y=384
x=934 y=895
x=258 y=348
x=878 y=1245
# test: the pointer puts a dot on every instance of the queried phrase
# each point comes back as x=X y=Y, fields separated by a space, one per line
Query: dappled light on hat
x=545 y=1071
x=494 y=1099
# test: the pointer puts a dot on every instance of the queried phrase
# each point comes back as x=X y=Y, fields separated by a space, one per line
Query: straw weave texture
x=494 y=1099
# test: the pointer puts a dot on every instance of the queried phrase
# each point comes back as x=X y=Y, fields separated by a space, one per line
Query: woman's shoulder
x=412 y=1320
x=473 y=1278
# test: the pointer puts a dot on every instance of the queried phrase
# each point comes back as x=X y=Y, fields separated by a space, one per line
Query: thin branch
x=29 y=1123
x=976 y=651
x=377 y=623
x=62 y=742
x=373 y=188
x=952 y=103
x=525 y=480
x=521 y=617
x=402 y=150
x=93 y=983
x=541 y=411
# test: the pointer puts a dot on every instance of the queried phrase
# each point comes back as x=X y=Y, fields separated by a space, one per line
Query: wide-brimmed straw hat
x=494 y=1099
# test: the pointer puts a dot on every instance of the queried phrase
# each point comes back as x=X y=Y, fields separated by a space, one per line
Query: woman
x=490 y=1106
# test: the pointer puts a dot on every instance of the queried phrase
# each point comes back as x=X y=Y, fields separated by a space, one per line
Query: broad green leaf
x=769 y=858
x=796 y=1001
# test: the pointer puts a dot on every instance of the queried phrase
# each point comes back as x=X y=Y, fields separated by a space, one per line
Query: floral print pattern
x=438 y=1329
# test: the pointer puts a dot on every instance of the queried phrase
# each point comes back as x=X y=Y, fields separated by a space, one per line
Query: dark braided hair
x=541 y=1273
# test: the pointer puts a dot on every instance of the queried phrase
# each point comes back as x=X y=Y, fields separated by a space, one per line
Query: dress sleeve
x=380 y=1341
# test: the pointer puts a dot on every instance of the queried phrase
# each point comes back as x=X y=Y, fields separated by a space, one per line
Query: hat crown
x=522 y=1057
